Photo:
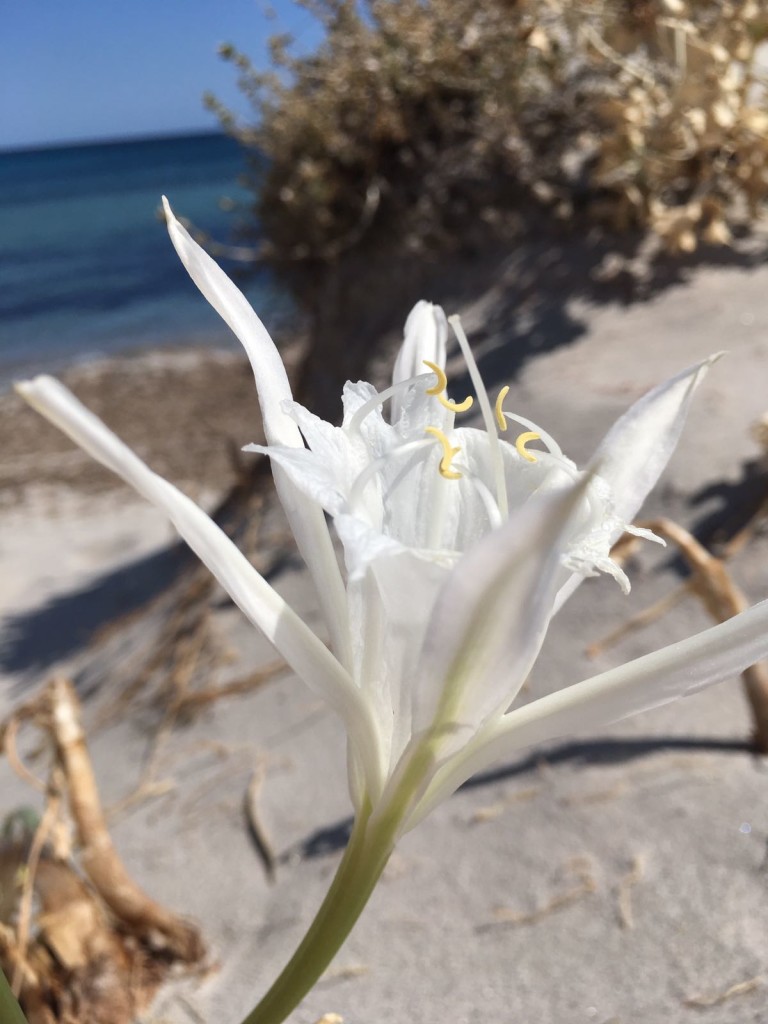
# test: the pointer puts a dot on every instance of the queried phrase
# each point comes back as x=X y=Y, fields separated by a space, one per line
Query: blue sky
x=90 y=69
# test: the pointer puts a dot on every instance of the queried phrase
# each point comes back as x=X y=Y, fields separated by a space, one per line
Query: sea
x=86 y=266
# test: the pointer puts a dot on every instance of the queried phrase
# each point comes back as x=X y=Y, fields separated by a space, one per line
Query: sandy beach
x=617 y=879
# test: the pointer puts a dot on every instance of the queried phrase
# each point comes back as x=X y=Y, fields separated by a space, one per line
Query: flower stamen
x=438 y=389
x=464 y=406
x=497 y=459
x=442 y=380
x=501 y=419
x=541 y=435
x=449 y=454
x=522 y=441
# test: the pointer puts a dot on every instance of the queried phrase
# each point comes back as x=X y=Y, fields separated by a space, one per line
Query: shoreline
x=127 y=351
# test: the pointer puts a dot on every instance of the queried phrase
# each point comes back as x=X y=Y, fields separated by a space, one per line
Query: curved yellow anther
x=456 y=406
x=522 y=441
x=442 y=380
x=439 y=388
x=448 y=454
x=501 y=419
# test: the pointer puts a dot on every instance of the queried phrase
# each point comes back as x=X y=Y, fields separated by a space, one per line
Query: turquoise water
x=86 y=266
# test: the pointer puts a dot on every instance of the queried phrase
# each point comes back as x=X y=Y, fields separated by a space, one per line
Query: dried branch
x=100 y=860
x=711 y=582
x=25 y=903
x=713 y=585
x=256 y=828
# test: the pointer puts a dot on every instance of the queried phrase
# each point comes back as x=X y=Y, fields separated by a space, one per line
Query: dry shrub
x=422 y=121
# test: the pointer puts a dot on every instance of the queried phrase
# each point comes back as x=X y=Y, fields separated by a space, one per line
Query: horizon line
x=109 y=140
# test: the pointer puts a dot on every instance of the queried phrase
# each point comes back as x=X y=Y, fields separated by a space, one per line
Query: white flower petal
x=303 y=651
x=638 y=446
x=316 y=480
x=233 y=307
x=632 y=455
x=354 y=395
x=306 y=521
x=491 y=615
x=425 y=337
x=363 y=544
x=389 y=605
x=678 y=670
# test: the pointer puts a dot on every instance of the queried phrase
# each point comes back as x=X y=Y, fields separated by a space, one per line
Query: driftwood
x=713 y=585
x=97 y=946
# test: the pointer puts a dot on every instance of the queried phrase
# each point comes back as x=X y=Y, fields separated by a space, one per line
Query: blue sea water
x=86 y=266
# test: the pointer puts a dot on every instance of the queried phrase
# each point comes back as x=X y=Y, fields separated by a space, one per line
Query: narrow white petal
x=306 y=520
x=638 y=446
x=717 y=654
x=303 y=651
x=233 y=307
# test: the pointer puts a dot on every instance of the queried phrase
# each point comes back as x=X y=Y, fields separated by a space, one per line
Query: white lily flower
x=459 y=544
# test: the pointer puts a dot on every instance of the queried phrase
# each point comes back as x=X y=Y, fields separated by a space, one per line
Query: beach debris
x=741 y=988
x=493 y=811
x=330 y=1018
x=184 y=649
x=711 y=582
x=627 y=882
x=151 y=790
x=643 y=618
x=79 y=938
x=337 y=974
x=192 y=700
x=596 y=796
x=149 y=786
x=488 y=813
x=98 y=856
x=256 y=829
x=580 y=868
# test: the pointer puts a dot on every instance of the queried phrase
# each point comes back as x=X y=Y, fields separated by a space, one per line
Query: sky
x=76 y=70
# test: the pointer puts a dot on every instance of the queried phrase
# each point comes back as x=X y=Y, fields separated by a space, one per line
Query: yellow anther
x=439 y=388
x=501 y=419
x=522 y=441
x=448 y=454
x=456 y=406
x=442 y=380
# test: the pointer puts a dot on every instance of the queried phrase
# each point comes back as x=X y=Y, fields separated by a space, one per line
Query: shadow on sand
x=528 y=283
x=332 y=838
x=33 y=641
x=540 y=278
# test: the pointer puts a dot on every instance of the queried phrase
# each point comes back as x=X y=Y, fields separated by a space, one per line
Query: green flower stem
x=10 y=1011
x=370 y=847
x=360 y=869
